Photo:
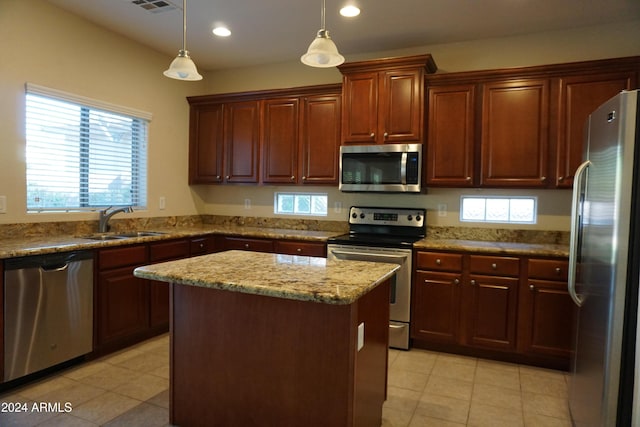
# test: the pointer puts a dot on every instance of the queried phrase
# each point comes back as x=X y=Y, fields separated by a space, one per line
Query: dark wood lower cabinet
x=123 y=308
x=508 y=308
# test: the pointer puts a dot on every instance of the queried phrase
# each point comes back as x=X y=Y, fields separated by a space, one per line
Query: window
x=520 y=210
x=82 y=153
x=300 y=204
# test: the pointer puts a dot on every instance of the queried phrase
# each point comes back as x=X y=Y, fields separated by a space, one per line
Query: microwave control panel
x=401 y=217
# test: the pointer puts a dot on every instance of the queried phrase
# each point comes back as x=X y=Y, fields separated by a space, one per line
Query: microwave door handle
x=403 y=168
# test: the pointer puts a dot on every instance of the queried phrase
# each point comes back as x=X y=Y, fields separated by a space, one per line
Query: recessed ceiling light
x=222 y=32
x=350 y=11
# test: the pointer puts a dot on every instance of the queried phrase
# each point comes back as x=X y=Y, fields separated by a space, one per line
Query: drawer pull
x=246 y=245
x=201 y=245
x=473 y=283
x=299 y=250
x=439 y=261
x=494 y=266
x=456 y=282
x=558 y=271
x=532 y=288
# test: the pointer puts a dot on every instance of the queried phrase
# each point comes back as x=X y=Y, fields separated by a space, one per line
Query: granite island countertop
x=282 y=276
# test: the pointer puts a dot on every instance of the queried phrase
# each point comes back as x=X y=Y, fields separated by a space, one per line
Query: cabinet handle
x=473 y=283
x=293 y=177
x=438 y=261
x=456 y=282
x=304 y=178
x=558 y=271
x=494 y=266
x=561 y=178
x=468 y=178
x=373 y=135
x=227 y=177
x=201 y=245
x=532 y=288
x=246 y=246
x=218 y=177
x=543 y=178
x=386 y=135
x=299 y=250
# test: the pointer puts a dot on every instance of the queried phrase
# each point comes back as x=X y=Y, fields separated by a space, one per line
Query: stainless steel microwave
x=393 y=168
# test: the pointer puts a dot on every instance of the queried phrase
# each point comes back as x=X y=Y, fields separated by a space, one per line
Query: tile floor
x=130 y=388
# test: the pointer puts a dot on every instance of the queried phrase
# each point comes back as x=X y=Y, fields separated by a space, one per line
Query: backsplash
x=79 y=228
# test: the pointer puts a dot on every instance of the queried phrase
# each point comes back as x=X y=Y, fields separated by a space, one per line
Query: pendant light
x=183 y=68
x=322 y=51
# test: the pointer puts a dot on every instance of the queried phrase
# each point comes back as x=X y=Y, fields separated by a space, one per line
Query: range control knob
x=362 y=215
x=418 y=218
x=409 y=217
x=354 y=215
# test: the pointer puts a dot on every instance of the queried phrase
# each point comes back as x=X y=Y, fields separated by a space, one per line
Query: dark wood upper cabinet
x=579 y=96
x=242 y=141
x=515 y=134
x=383 y=100
x=282 y=136
x=320 y=138
x=451 y=144
x=206 y=126
x=280 y=140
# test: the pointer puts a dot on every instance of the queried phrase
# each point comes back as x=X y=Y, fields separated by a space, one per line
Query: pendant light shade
x=183 y=68
x=322 y=51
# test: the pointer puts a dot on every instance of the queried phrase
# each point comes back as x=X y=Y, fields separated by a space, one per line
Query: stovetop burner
x=384 y=227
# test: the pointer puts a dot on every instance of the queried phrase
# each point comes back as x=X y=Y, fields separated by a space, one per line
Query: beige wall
x=47 y=46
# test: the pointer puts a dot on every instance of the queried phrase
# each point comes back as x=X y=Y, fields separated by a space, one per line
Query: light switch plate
x=360 y=336
x=3 y=204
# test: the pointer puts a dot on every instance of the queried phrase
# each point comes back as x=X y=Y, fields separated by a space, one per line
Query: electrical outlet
x=337 y=207
x=442 y=209
x=162 y=203
x=3 y=204
x=360 y=336
x=247 y=203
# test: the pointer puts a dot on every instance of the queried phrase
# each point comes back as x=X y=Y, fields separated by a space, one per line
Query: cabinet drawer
x=495 y=266
x=164 y=251
x=550 y=269
x=122 y=257
x=203 y=245
x=300 y=248
x=257 y=245
x=439 y=261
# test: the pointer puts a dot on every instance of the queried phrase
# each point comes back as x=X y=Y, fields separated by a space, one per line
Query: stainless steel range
x=385 y=235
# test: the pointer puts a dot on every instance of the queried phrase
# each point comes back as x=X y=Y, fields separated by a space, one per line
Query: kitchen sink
x=123 y=235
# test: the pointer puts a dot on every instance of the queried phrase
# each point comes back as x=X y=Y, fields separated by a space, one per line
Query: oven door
x=400 y=308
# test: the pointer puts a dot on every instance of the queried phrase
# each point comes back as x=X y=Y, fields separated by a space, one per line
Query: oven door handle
x=369 y=255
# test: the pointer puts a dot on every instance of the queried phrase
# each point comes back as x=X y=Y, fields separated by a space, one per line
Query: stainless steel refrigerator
x=604 y=267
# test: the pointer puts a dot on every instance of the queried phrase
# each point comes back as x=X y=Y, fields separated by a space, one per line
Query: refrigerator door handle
x=575 y=231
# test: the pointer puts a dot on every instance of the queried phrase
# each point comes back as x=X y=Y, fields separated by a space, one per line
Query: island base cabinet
x=249 y=360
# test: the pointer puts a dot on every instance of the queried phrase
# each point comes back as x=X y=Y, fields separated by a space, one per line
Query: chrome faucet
x=104 y=216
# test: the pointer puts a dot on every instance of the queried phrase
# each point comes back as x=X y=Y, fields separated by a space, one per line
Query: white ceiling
x=271 y=31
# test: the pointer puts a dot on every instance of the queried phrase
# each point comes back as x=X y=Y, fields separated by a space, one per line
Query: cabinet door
x=360 y=108
x=206 y=143
x=491 y=312
x=242 y=140
x=515 y=127
x=400 y=106
x=159 y=291
x=320 y=140
x=280 y=140
x=123 y=306
x=547 y=318
x=203 y=245
x=436 y=307
x=579 y=96
x=451 y=136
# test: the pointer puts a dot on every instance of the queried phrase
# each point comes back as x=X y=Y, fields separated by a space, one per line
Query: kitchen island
x=262 y=339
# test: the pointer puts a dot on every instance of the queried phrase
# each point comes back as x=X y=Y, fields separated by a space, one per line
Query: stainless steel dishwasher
x=48 y=311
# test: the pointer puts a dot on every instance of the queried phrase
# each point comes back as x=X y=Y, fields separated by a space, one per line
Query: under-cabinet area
x=513 y=308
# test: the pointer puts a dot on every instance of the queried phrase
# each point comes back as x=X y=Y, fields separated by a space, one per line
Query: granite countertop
x=45 y=244
x=282 y=276
x=496 y=248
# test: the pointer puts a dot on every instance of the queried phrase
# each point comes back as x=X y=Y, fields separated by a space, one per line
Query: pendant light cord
x=322 y=15
x=184 y=25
